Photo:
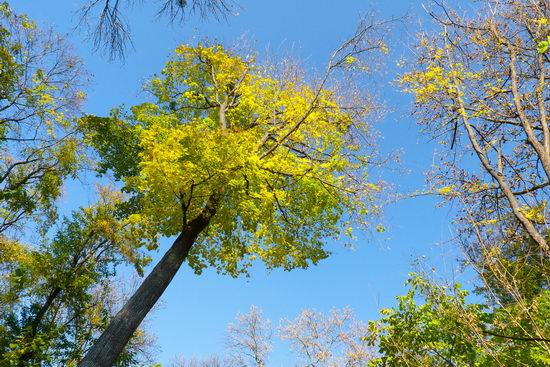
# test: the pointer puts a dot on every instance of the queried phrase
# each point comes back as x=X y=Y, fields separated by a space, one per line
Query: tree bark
x=110 y=344
x=113 y=340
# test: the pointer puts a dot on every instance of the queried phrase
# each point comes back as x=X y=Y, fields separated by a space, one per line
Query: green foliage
x=435 y=325
x=56 y=295
x=56 y=298
x=542 y=46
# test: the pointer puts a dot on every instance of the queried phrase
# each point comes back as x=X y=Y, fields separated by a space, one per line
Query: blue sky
x=196 y=309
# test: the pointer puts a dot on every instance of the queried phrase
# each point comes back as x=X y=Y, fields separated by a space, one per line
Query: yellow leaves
x=541 y=22
x=384 y=47
x=536 y=213
x=373 y=187
x=28 y=24
x=276 y=207
x=446 y=190
x=425 y=85
x=81 y=95
x=221 y=67
x=486 y=222
x=12 y=251
x=477 y=187
x=350 y=60
x=45 y=99
x=438 y=54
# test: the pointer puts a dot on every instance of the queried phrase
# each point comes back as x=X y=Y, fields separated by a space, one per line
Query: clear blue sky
x=196 y=310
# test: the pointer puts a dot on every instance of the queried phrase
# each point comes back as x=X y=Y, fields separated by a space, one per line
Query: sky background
x=195 y=310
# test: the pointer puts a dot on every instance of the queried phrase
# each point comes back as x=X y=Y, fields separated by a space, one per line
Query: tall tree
x=480 y=83
x=57 y=297
x=239 y=163
x=54 y=294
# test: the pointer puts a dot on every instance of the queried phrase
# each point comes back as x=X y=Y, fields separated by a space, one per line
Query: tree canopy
x=279 y=161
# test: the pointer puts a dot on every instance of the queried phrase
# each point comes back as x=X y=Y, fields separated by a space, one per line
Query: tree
x=435 y=325
x=250 y=338
x=39 y=93
x=335 y=339
x=209 y=362
x=56 y=298
x=111 y=33
x=239 y=164
x=54 y=293
x=482 y=81
x=338 y=339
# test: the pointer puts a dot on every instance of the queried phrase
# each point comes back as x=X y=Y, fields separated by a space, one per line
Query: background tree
x=54 y=274
x=209 y=362
x=250 y=338
x=435 y=325
x=338 y=339
x=39 y=93
x=483 y=82
x=480 y=84
x=57 y=297
x=335 y=339
x=239 y=165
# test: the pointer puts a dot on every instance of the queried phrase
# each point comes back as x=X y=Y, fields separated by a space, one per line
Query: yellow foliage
x=536 y=213
x=446 y=190
x=279 y=151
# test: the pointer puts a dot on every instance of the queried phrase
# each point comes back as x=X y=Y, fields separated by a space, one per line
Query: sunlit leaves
x=282 y=154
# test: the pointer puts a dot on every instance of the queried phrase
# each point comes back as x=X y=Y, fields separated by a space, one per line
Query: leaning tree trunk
x=113 y=340
x=110 y=344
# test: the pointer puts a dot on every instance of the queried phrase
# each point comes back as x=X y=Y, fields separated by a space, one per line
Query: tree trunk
x=110 y=344
x=113 y=340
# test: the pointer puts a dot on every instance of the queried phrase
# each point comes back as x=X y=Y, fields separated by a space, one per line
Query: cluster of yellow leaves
x=446 y=190
x=426 y=84
x=535 y=213
x=12 y=251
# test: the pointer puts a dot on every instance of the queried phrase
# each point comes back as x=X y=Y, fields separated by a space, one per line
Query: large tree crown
x=280 y=155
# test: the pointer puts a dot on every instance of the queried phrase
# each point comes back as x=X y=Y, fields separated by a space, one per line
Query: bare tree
x=250 y=338
x=334 y=340
x=209 y=362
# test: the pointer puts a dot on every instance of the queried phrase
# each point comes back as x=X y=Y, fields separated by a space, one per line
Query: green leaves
x=57 y=295
x=542 y=46
x=435 y=325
